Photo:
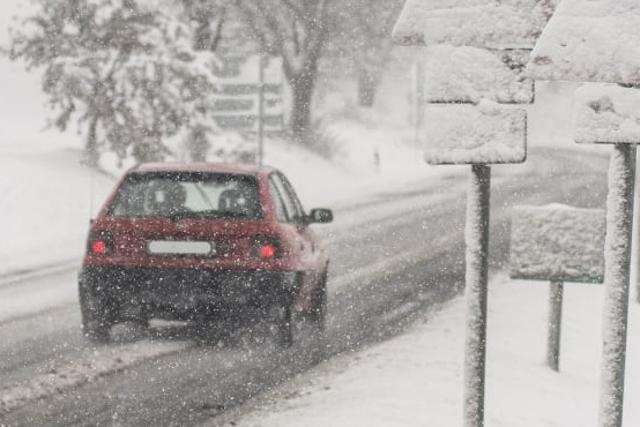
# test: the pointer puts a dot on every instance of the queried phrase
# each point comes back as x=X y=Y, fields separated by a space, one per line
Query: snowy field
x=415 y=379
x=52 y=196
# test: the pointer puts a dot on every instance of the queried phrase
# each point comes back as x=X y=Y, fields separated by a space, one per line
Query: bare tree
x=209 y=17
x=361 y=34
x=295 y=30
x=303 y=32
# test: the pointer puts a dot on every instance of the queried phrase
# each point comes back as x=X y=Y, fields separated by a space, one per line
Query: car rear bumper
x=187 y=290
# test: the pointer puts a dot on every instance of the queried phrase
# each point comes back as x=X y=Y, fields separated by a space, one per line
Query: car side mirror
x=320 y=216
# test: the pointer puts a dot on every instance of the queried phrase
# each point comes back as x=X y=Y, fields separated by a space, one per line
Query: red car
x=203 y=241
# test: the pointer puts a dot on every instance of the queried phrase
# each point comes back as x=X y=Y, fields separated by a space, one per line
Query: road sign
x=479 y=23
x=478 y=136
x=597 y=40
x=468 y=75
x=237 y=97
x=607 y=114
x=590 y=41
x=466 y=134
x=557 y=243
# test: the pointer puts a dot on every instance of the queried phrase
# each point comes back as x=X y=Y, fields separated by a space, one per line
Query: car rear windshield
x=187 y=194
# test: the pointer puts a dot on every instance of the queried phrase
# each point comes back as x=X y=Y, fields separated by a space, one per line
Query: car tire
x=97 y=316
x=318 y=317
x=284 y=326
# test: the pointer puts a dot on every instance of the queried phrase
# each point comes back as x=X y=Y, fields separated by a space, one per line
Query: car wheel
x=317 y=318
x=97 y=317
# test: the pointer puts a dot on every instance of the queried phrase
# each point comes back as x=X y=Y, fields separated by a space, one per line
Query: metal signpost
x=594 y=48
x=499 y=139
x=504 y=143
x=260 y=134
x=417 y=99
x=558 y=244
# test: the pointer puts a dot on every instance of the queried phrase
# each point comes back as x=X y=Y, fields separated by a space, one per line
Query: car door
x=306 y=232
x=293 y=216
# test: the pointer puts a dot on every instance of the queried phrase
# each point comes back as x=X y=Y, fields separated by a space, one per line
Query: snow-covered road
x=393 y=255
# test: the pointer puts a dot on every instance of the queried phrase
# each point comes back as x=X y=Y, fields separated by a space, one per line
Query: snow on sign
x=466 y=134
x=607 y=114
x=480 y=23
x=557 y=243
x=590 y=41
x=468 y=74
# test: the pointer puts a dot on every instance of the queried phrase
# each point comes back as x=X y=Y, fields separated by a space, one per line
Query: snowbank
x=46 y=198
x=590 y=40
x=415 y=379
x=50 y=196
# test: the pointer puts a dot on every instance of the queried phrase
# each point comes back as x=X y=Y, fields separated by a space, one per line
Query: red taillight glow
x=98 y=247
x=268 y=250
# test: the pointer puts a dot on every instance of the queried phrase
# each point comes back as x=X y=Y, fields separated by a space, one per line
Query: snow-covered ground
x=48 y=198
x=415 y=379
x=46 y=207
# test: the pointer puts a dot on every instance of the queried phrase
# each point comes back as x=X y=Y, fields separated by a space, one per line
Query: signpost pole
x=555 y=324
x=477 y=242
x=260 y=135
x=417 y=98
x=617 y=267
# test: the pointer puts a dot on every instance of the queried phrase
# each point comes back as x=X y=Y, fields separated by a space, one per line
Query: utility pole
x=261 y=84
x=417 y=99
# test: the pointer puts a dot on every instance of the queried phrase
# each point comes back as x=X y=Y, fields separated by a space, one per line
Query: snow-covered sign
x=590 y=40
x=480 y=23
x=607 y=114
x=466 y=134
x=237 y=95
x=468 y=75
x=558 y=243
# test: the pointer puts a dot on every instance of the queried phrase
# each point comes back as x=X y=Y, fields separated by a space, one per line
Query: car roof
x=202 y=167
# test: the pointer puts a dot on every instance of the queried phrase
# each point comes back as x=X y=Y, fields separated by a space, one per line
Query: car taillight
x=99 y=247
x=100 y=243
x=266 y=248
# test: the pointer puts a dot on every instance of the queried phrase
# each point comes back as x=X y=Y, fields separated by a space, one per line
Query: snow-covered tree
x=209 y=17
x=360 y=34
x=126 y=73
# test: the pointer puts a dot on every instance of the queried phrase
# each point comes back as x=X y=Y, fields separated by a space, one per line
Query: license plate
x=175 y=247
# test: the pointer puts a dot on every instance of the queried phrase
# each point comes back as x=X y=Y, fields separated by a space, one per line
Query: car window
x=292 y=195
x=281 y=211
x=187 y=195
x=294 y=213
